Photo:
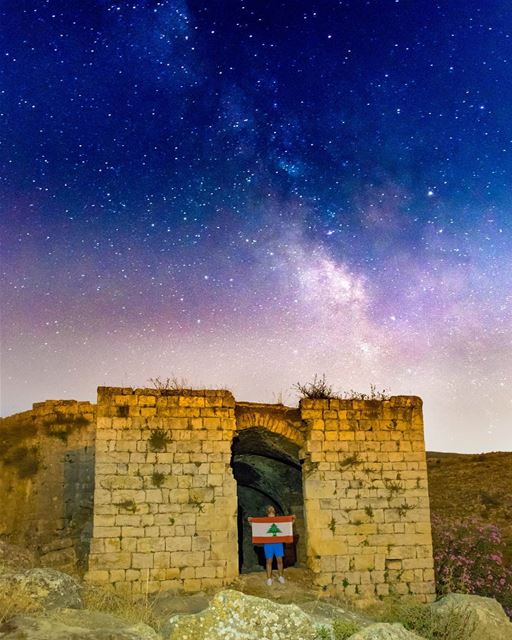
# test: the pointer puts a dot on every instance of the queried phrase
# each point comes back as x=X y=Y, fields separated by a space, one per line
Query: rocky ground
x=45 y=604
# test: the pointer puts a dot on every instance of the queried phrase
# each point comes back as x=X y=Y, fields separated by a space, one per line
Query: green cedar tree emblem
x=274 y=529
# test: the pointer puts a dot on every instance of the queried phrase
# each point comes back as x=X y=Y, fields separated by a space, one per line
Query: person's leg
x=269 y=568
x=280 y=565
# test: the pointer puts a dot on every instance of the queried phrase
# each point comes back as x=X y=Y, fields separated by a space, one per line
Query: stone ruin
x=151 y=489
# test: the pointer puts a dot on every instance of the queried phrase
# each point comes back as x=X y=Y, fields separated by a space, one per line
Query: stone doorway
x=267 y=470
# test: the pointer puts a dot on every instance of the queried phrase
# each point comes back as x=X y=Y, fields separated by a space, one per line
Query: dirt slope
x=480 y=485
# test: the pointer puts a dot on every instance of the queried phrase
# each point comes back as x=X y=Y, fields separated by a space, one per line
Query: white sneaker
x=269 y=582
x=281 y=579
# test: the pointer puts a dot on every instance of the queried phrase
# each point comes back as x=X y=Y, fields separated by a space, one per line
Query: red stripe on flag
x=271 y=539
x=270 y=520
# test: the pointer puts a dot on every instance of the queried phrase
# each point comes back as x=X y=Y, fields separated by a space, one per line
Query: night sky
x=244 y=194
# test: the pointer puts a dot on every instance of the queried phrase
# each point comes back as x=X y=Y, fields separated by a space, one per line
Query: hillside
x=467 y=485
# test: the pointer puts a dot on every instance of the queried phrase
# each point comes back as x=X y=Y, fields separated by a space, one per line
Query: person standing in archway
x=273 y=549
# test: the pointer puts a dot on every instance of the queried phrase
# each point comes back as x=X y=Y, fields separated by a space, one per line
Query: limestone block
x=106 y=532
x=364 y=562
x=112 y=545
x=132 y=532
x=186 y=573
x=178 y=543
x=117 y=560
x=191 y=401
x=191 y=585
x=153 y=495
x=199 y=481
x=187 y=559
x=179 y=496
x=142 y=560
x=129 y=544
x=117 y=575
x=428 y=575
x=201 y=543
x=103 y=468
x=105 y=520
x=150 y=545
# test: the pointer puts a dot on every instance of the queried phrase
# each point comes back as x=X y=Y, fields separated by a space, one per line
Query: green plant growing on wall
x=374 y=394
x=345 y=583
x=404 y=508
x=158 y=440
x=123 y=411
x=170 y=386
x=368 y=470
x=393 y=425
x=332 y=525
x=157 y=478
x=127 y=505
x=364 y=543
x=74 y=421
x=350 y=461
x=318 y=389
x=63 y=424
x=393 y=487
x=198 y=504
x=369 y=511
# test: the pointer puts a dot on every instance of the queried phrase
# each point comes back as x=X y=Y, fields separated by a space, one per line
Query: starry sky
x=246 y=193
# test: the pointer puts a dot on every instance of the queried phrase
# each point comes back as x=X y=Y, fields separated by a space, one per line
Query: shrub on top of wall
x=319 y=389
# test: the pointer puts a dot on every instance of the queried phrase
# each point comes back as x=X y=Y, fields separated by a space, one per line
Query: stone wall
x=165 y=499
x=166 y=503
x=366 y=498
x=47 y=480
x=165 y=496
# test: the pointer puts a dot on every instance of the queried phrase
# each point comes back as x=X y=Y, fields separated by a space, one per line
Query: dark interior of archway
x=267 y=469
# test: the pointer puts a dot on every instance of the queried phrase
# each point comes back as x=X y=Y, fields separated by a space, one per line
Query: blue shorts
x=273 y=549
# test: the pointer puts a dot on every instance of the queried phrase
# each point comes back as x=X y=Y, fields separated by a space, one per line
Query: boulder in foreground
x=47 y=588
x=480 y=618
x=385 y=631
x=73 y=624
x=232 y=615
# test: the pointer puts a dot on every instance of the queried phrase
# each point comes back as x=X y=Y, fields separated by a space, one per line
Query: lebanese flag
x=268 y=530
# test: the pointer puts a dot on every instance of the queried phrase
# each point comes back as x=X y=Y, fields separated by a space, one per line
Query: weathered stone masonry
x=366 y=497
x=165 y=497
x=47 y=480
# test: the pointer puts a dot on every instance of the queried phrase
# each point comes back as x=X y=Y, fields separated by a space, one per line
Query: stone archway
x=276 y=418
x=266 y=461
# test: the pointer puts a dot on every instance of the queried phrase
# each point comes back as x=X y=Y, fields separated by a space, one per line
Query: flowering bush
x=468 y=558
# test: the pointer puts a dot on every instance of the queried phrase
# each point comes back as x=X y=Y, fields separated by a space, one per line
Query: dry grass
x=15 y=599
x=421 y=619
x=130 y=608
x=468 y=485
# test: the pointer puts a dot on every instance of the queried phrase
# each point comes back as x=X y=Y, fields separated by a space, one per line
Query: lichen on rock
x=233 y=615
x=385 y=631
x=479 y=618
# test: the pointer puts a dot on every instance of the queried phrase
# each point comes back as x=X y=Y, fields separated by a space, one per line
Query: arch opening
x=267 y=470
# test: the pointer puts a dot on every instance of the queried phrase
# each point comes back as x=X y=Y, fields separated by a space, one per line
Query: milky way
x=244 y=194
